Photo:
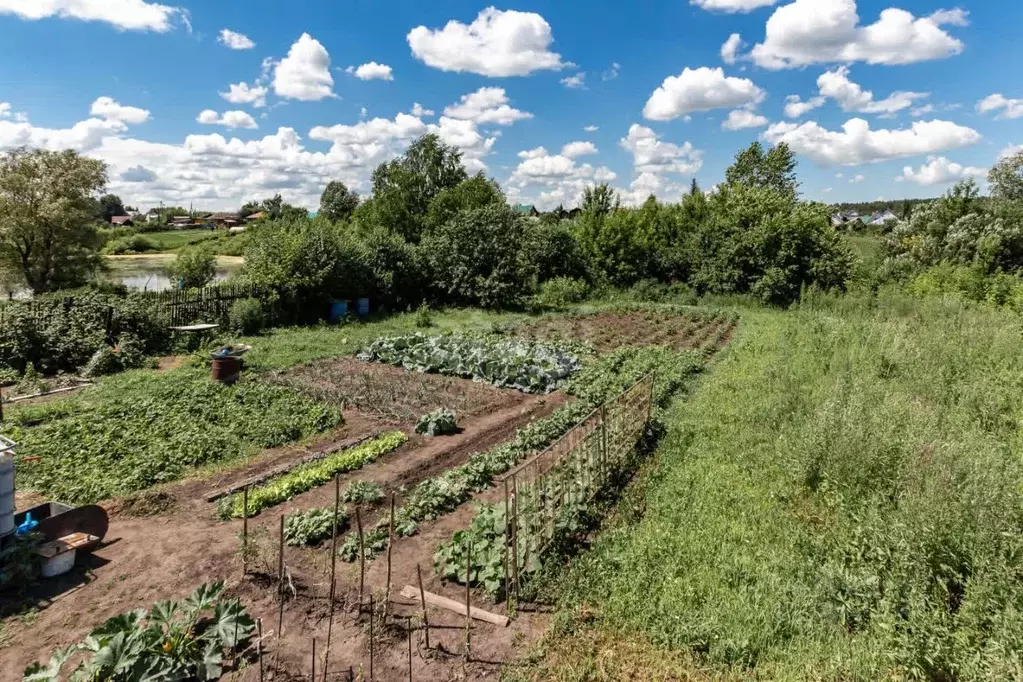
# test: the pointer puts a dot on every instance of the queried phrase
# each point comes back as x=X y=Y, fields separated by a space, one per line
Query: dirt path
x=165 y=557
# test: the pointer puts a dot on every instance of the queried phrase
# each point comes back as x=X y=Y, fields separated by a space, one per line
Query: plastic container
x=338 y=310
x=58 y=565
x=362 y=307
x=6 y=494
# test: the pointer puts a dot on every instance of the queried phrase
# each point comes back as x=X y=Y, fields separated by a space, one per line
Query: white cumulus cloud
x=108 y=108
x=851 y=97
x=1011 y=150
x=1009 y=108
x=940 y=171
x=5 y=109
x=700 y=89
x=576 y=149
x=234 y=40
x=730 y=48
x=796 y=107
x=821 y=31
x=419 y=110
x=856 y=143
x=243 y=93
x=740 y=119
x=576 y=82
x=732 y=6
x=371 y=71
x=127 y=15
x=230 y=119
x=486 y=105
x=497 y=43
x=305 y=73
x=591 y=128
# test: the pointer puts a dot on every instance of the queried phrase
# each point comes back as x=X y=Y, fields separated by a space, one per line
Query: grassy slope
x=175 y=239
x=840 y=499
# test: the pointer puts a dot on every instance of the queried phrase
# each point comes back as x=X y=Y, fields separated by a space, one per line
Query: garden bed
x=612 y=329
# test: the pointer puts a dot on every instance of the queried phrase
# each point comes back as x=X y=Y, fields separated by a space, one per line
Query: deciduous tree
x=47 y=209
x=337 y=202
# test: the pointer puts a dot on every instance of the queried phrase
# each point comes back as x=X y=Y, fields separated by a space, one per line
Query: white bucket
x=6 y=494
x=58 y=565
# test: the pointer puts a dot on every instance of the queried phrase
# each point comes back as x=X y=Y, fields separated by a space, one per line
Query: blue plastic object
x=338 y=311
x=362 y=307
x=27 y=527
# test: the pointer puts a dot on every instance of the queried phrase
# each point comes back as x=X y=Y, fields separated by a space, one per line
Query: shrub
x=561 y=292
x=423 y=318
x=247 y=316
x=194 y=267
x=132 y=244
x=312 y=526
x=437 y=423
x=475 y=258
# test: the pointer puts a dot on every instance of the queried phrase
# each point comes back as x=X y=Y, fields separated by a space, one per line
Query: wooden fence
x=545 y=492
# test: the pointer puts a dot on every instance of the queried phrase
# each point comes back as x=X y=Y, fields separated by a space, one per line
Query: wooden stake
x=371 y=609
x=408 y=625
x=507 y=548
x=362 y=559
x=390 y=544
x=259 y=646
x=245 y=531
x=280 y=581
x=333 y=571
x=515 y=534
x=422 y=599
x=468 y=615
x=312 y=676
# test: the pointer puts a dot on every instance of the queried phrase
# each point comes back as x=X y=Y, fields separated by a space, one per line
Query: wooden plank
x=48 y=550
x=458 y=607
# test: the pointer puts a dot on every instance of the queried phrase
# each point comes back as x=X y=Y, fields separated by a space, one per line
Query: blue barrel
x=362 y=307
x=338 y=311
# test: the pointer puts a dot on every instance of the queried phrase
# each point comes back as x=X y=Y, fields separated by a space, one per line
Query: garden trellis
x=542 y=494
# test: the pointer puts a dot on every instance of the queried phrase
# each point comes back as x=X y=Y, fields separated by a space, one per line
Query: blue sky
x=887 y=85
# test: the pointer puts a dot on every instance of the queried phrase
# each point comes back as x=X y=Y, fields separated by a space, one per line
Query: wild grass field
x=839 y=500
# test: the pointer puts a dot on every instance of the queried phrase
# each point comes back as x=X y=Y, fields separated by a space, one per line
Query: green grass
x=171 y=240
x=839 y=500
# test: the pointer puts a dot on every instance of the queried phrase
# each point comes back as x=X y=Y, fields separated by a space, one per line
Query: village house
x=121 y=221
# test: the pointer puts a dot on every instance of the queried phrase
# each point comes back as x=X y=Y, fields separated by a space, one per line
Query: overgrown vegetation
x=173 y=640
x=136 y=430
x=839 y=500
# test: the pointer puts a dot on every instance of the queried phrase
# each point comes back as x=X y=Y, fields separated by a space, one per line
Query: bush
x=561 y=292
x=652 y=291
x=194 y=267
x=423 y=317
x=132 y=244
x=247 y=316
x=475 y=258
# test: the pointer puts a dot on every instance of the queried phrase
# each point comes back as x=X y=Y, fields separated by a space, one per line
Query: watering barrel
x=6 y=494
x=362 y=307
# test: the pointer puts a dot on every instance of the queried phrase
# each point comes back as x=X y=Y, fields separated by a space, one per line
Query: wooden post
x=515 y=534
x=371 y=609
x=362 y=560
x=408 y=625
x=259 y=646
x=312 y=676
x=333 y=572
x=390 y=544
x=422 y=600
x=280 y=588
x=507 y=548
x=468 y=616
x=245 y=531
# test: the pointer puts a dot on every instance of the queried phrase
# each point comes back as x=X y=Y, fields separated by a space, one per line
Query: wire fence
x=544 y=494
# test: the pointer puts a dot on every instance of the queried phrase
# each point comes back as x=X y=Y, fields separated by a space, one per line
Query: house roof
x=120 y=219
x=225 y=216
x=256 y=216
x=523 y=208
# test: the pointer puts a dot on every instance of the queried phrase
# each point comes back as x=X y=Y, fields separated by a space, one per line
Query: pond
x=146 y=272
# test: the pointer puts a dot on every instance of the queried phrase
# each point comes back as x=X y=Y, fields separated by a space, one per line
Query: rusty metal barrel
x=226 y=368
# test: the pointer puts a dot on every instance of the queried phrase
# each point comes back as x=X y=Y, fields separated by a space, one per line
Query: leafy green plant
x=136 y=430
x=375 y=541
x=19 y=563
x=561 y=292
x=194 y=266
x=312 y=526
x=437 y=423
x=423 y=318
x=363 y=492
x=248 y=316
x=529 y=367
x=311 y=475
x=172 y=641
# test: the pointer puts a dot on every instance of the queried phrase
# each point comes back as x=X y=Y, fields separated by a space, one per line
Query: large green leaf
x=39 y=673
x=231 y=624
x=203 y=599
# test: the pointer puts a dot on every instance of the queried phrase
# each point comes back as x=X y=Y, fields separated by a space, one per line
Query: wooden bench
x=59 y=555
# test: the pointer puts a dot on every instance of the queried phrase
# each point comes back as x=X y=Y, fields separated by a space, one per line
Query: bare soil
x=178 y=544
